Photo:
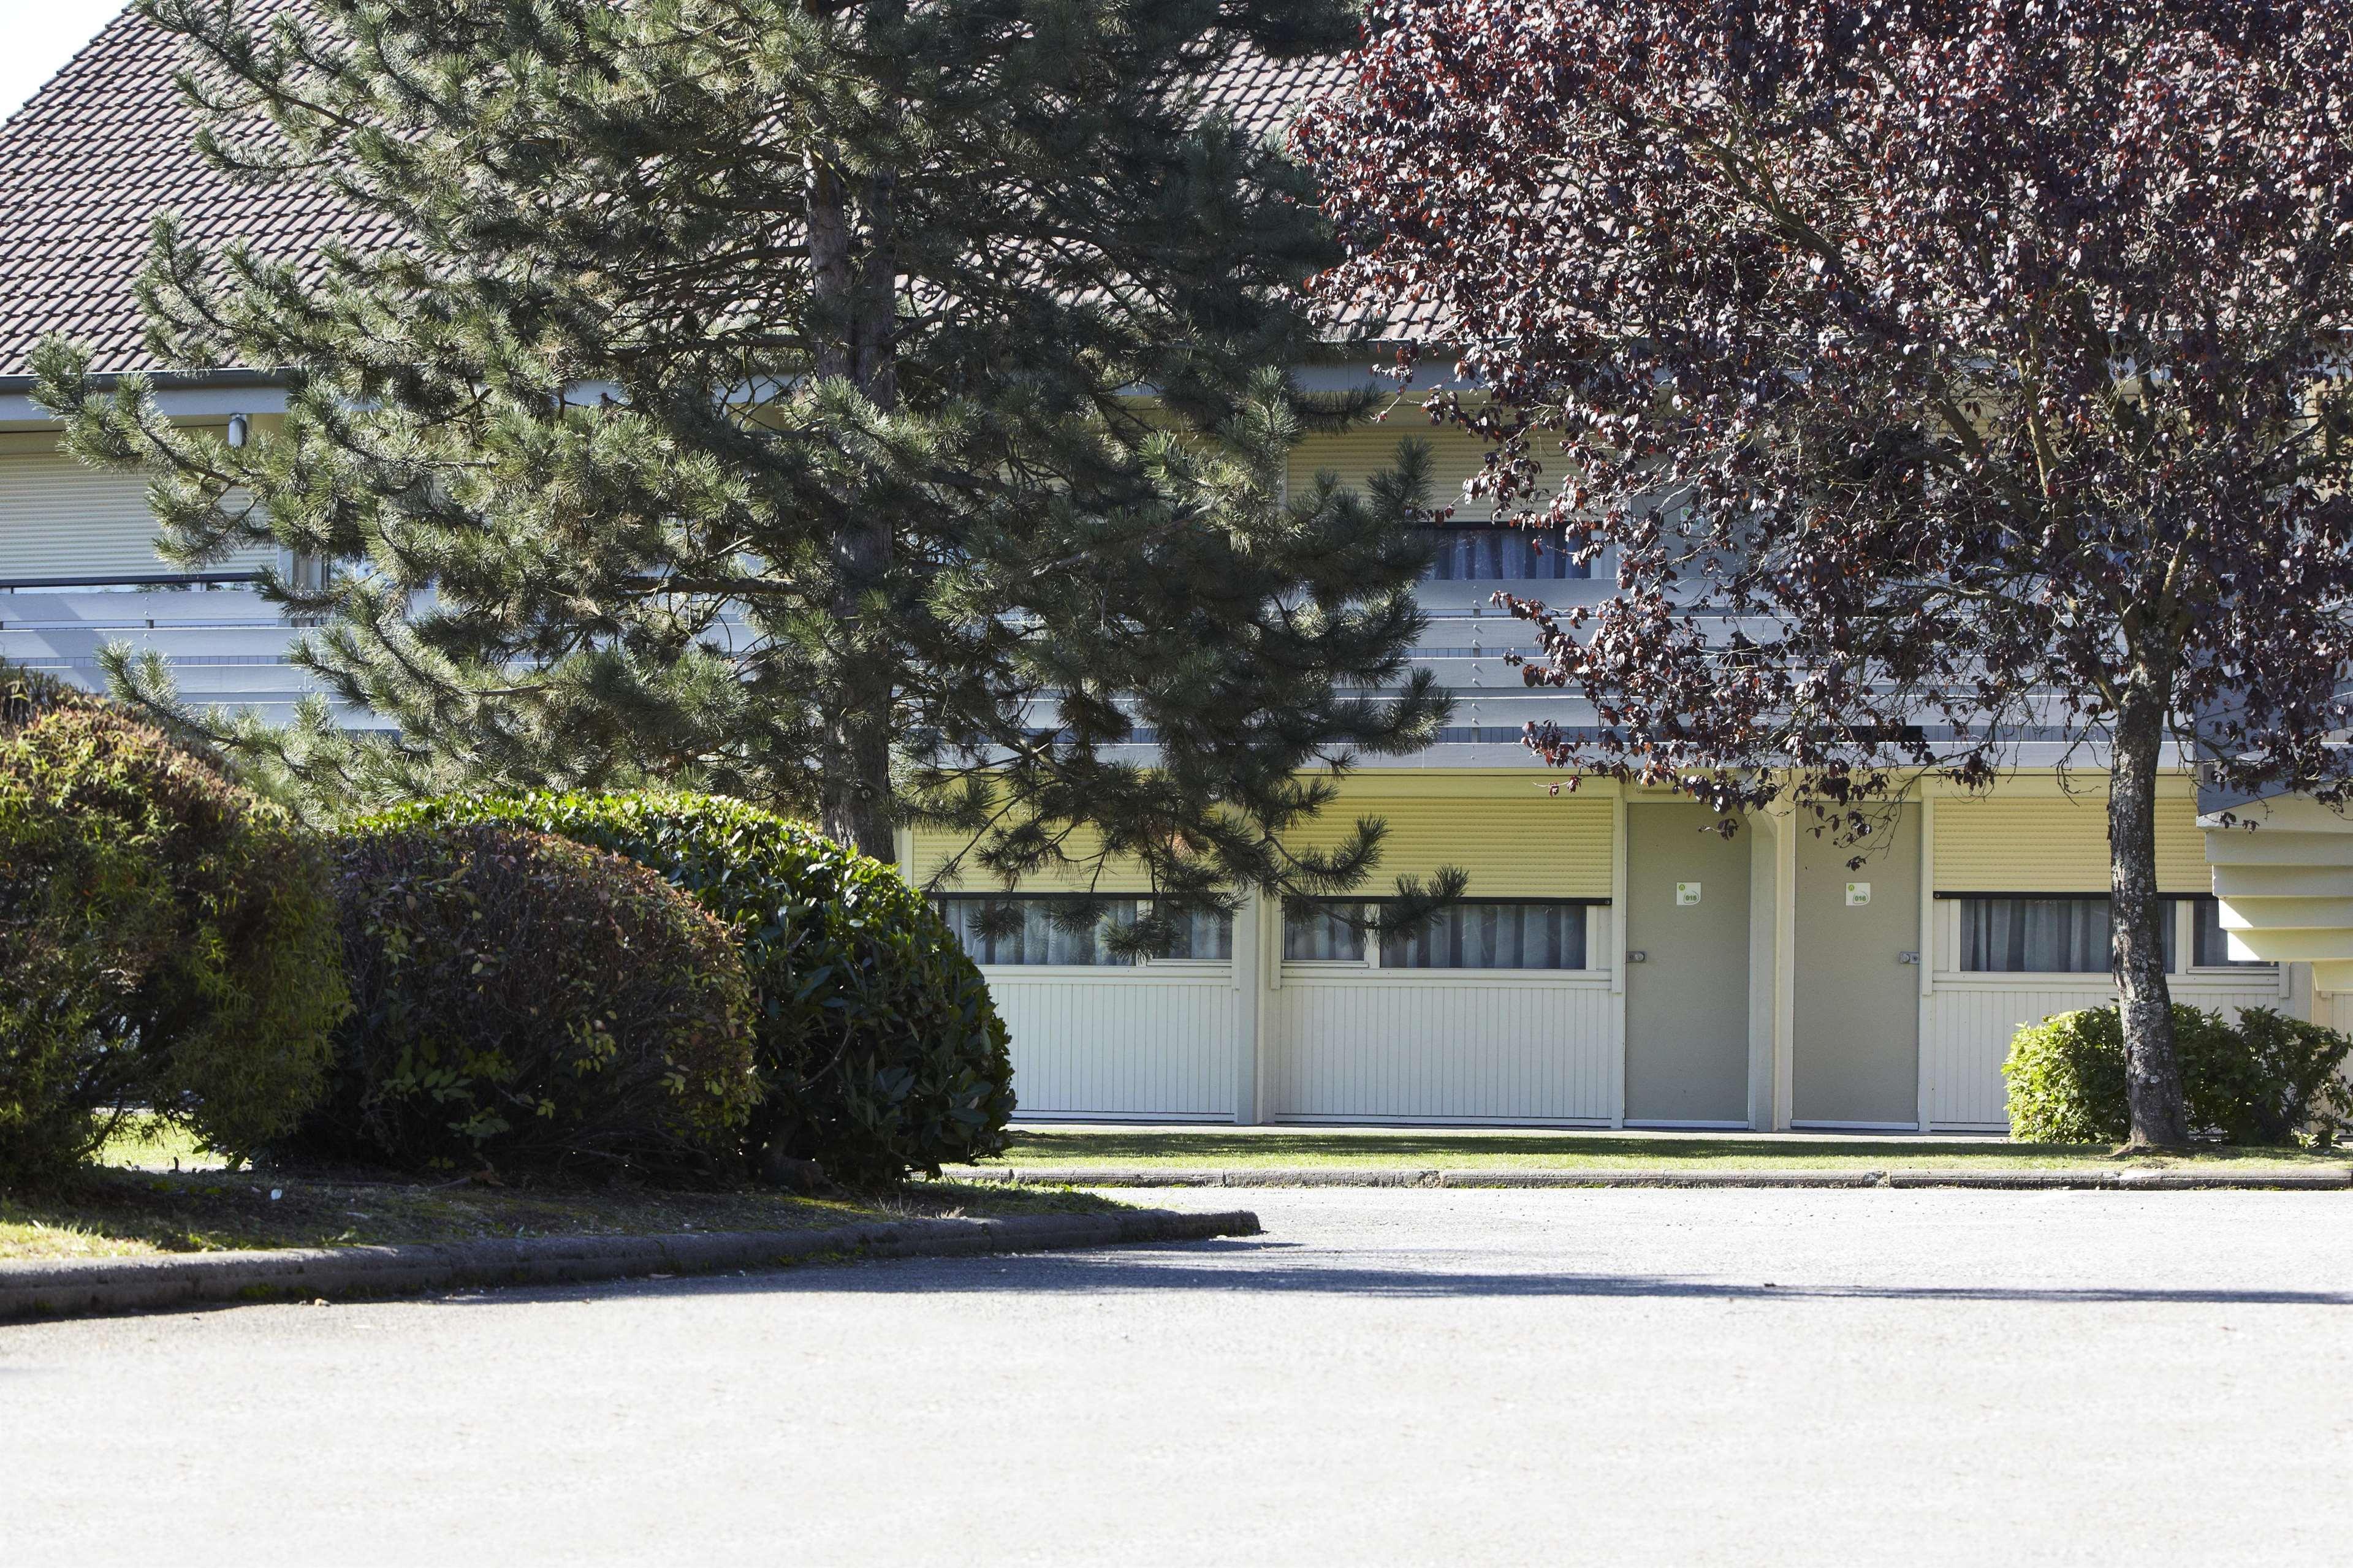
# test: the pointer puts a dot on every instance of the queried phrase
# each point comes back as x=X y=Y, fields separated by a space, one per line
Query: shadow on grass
x=103 y=1213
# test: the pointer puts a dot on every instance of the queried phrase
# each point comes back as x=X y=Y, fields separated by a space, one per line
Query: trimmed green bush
x=881 y=1048
x=166 y=938
x=2268 y=1078
x=527 y=1003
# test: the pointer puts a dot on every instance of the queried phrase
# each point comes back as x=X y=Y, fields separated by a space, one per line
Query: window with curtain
x=1501 y=554
x=1322 y=934
x=1519 y=934
x=1203 y=936
x=1505 y=933
x=2043 y=936
x=2208 y=948
x=1032 y=930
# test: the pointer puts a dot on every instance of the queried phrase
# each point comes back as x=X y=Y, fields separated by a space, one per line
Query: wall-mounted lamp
x=237 y=426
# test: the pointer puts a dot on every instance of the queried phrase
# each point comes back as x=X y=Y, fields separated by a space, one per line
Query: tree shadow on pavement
x=1246 y=1270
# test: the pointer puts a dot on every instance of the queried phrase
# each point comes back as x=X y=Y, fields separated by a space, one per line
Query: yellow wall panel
x=2048 y=843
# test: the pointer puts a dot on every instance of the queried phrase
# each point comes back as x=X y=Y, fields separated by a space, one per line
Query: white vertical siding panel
x=2335 y=1009
x=1123 y=1045
x=1474 y=1049
x=1973 y=1020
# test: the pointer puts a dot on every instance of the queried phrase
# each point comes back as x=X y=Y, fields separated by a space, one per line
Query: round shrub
x=166 y=938
x=881 y=1048
x=526 y=1004
x=2266 y=1078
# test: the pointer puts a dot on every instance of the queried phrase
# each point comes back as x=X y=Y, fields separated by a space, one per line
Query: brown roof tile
x=87 y=163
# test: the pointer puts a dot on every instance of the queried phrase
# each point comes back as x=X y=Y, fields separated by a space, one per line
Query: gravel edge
x=82 y=1287
x=2337 y=1179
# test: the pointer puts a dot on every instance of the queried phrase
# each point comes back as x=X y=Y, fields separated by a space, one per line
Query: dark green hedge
x=2265 y=1079
x=881 y=1048
x=527 y=1003
x=167 y=937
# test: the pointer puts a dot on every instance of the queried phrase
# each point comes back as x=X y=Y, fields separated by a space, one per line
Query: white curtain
x=1323 y=934
x=2043 y=936
x=1038 y=938
x=1205 y=935
x=1494 y=936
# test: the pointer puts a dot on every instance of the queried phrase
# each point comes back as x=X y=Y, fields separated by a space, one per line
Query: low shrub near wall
x=2265 y=1079
x=2282 y=1083
x=527 y=1003
x=167 y=937
x=878 y=1044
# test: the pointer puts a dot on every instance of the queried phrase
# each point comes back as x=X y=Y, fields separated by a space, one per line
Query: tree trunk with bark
x=855 y=790
x=2136 y=915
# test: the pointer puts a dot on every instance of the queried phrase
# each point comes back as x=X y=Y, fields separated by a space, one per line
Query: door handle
x=1636 y=955
x=1907 y=956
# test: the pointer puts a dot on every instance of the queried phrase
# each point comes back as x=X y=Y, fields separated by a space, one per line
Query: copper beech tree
x=1942 y=377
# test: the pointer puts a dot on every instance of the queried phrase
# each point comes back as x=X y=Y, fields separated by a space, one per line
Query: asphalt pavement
x=1386 y=1376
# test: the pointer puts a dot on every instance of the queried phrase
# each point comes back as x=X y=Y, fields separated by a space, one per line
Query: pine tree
x=746 y=394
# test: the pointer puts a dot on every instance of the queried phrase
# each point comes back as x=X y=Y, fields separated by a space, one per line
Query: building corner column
x=1251 y=1011
x=1618 y=923
x=1928 y=959
x=1785 y=966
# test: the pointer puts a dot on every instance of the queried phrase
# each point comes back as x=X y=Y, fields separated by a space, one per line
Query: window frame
x=1598 y=951
x=1951 y=941
x=1114 y=966
x=1481 y=528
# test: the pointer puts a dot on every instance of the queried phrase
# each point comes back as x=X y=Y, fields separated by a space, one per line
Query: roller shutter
x=933 y=850
x=1514 y=838
x=1358 y=453
x=59 y=520
x=2059 y=843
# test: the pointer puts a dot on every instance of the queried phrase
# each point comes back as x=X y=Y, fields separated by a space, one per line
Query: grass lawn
x=1442 y=1149
x=134 y=1204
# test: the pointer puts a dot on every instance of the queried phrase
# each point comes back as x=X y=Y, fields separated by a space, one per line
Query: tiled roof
x=107 y=144
x=84 y=168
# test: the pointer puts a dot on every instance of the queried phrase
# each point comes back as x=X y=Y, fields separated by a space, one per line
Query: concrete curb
x=2326 y=1179
x=124 y=1284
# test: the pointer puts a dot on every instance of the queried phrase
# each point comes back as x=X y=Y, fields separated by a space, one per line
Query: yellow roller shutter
x=1516 y=839
x=2038 y=843
x=1356 y=454
x=933 y=850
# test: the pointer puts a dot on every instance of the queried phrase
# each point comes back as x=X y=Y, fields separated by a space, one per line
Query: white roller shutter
x=59 y=520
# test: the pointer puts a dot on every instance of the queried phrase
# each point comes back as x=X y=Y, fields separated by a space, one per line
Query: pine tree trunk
x=2136 y=914
x=855 y=791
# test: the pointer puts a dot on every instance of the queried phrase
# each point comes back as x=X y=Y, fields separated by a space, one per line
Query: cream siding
x=1450 y=1047
x=1972 y=1017
x=1128 y=1043
x=2007 y=843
